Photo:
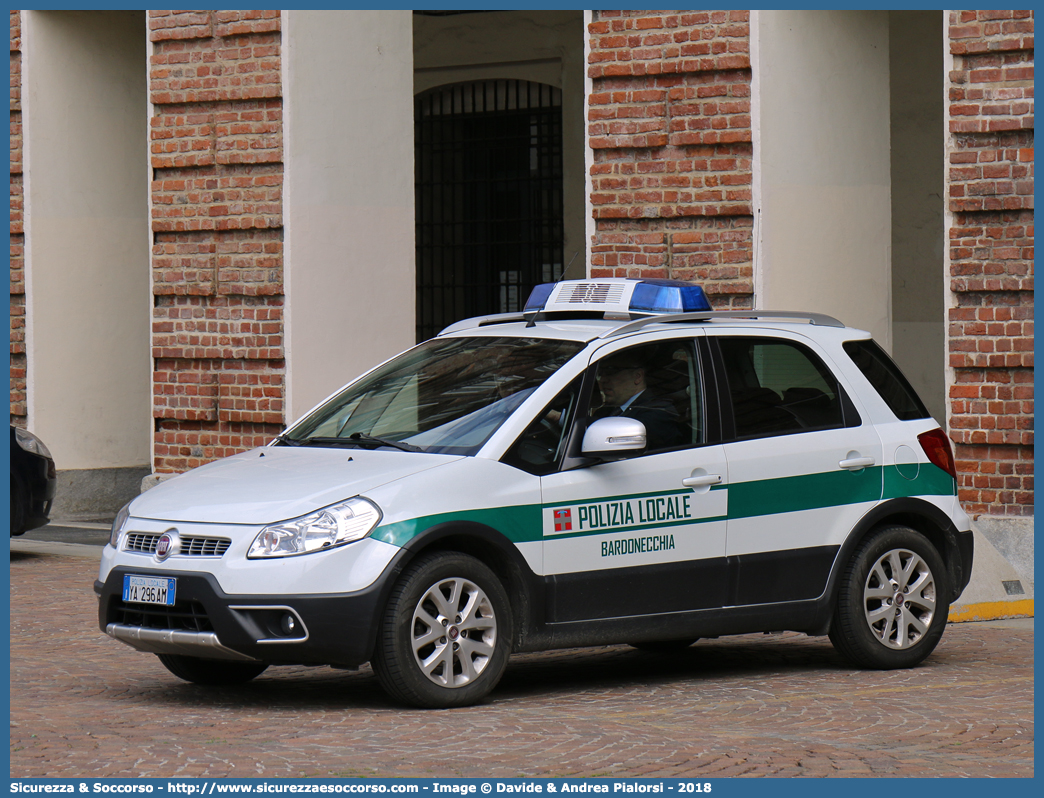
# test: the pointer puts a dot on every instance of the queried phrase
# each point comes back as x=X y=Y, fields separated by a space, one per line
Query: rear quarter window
x=882 y=373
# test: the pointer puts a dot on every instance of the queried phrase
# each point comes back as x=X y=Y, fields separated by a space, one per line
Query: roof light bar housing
x=616 y=297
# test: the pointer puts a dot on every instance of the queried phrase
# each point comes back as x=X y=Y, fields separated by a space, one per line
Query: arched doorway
x=489 y=197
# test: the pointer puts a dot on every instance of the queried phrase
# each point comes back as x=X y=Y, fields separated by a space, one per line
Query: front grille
x=186 y=616
x=190 y=546
x=204 y=547
x=142 y=543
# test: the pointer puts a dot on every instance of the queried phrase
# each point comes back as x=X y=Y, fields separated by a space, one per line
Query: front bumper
x=329 y=629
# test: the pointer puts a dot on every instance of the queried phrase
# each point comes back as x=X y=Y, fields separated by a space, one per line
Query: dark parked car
x=33 y=480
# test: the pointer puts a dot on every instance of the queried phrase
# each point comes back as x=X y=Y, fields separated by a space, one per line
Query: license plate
x=149 y=589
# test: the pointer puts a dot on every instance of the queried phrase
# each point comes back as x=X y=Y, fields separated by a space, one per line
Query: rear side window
x=880 y=370
x=779 y=387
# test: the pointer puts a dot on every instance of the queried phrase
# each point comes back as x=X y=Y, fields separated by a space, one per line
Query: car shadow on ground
x=280 y=687
x=612 y=668
x=566 y=672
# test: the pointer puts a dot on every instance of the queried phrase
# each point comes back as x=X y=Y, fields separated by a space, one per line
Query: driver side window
x=657 y=384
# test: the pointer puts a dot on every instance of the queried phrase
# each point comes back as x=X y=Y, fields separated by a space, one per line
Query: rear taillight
x=937 y=446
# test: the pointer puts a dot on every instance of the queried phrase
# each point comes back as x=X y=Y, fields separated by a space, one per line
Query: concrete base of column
x=95 y=494
x=1002 y=577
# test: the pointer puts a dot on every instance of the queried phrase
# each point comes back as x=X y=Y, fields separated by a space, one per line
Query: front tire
x=891 y=604
x=211 y=672
x=445 y=637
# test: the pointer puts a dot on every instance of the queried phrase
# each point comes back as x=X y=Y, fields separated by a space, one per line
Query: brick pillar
x=669 y=124
x=17 y=240
x=990 y=194
x=216 y=155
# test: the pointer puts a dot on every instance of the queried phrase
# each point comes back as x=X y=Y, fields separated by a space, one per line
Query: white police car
x=618 y=464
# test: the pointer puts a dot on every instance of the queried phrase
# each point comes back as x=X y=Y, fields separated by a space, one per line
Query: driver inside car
x=622 y=382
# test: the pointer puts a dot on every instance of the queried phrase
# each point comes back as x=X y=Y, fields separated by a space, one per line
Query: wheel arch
x=917 y=514
x=499 y=554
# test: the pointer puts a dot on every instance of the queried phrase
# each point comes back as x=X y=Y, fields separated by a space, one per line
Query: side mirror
x=614 y=438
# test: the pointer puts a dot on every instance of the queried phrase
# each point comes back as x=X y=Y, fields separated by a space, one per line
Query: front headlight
x=118 y=524
x=324 y=529
x=31 y=443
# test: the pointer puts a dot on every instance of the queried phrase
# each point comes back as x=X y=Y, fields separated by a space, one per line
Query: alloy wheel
x=899 y=598
x=454 y=632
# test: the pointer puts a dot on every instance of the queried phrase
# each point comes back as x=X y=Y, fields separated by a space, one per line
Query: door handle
x=856 y=463
x=703 y=479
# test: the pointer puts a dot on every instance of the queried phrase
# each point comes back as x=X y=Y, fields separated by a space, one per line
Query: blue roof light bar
x=668 y=296
x=617 y=297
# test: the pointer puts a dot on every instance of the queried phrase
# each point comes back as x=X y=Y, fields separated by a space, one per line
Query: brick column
x=669 y=124
x=17 y=237
x=990 y=195
x=216 y=156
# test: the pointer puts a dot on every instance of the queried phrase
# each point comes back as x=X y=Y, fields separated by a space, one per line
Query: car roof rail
x=482 y=321
x=820 y=319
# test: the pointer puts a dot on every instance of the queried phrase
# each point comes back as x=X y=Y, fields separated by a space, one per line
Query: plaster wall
x=824 y=218
x=918 y=132
x=540 y=46
x=348 y=206
x=87 y=255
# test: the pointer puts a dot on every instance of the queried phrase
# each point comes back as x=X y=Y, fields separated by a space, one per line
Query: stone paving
x=83 y=705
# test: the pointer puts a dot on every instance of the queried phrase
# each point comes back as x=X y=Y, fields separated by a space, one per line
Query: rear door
x=804 y=465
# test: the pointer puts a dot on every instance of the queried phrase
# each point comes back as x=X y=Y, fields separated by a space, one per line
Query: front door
x=643 y=535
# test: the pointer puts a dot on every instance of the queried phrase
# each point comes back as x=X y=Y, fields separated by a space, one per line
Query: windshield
x=447 y=396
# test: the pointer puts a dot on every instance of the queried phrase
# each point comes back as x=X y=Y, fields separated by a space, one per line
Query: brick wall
x=17 y=240
x=217 y=254
x=990 y=187
x=669 y=125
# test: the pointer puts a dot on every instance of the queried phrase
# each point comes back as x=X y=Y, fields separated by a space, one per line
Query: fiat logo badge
x=167 y=544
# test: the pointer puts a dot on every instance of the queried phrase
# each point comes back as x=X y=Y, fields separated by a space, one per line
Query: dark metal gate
x=489 y=198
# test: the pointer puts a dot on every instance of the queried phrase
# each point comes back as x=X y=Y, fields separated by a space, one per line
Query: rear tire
x=891 y=604
x=445 y=637
x=211 y=672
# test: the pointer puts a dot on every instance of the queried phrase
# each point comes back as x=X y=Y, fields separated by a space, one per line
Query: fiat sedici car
x=616 y=464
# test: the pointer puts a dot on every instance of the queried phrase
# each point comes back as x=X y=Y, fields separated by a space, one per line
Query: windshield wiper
x=358 y=439
x=287 y=441
x=362 y=437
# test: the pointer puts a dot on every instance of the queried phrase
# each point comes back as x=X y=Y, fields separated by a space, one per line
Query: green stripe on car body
x=517 y=523
x=804 y=492
x=523 y=523
x=930 y=481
